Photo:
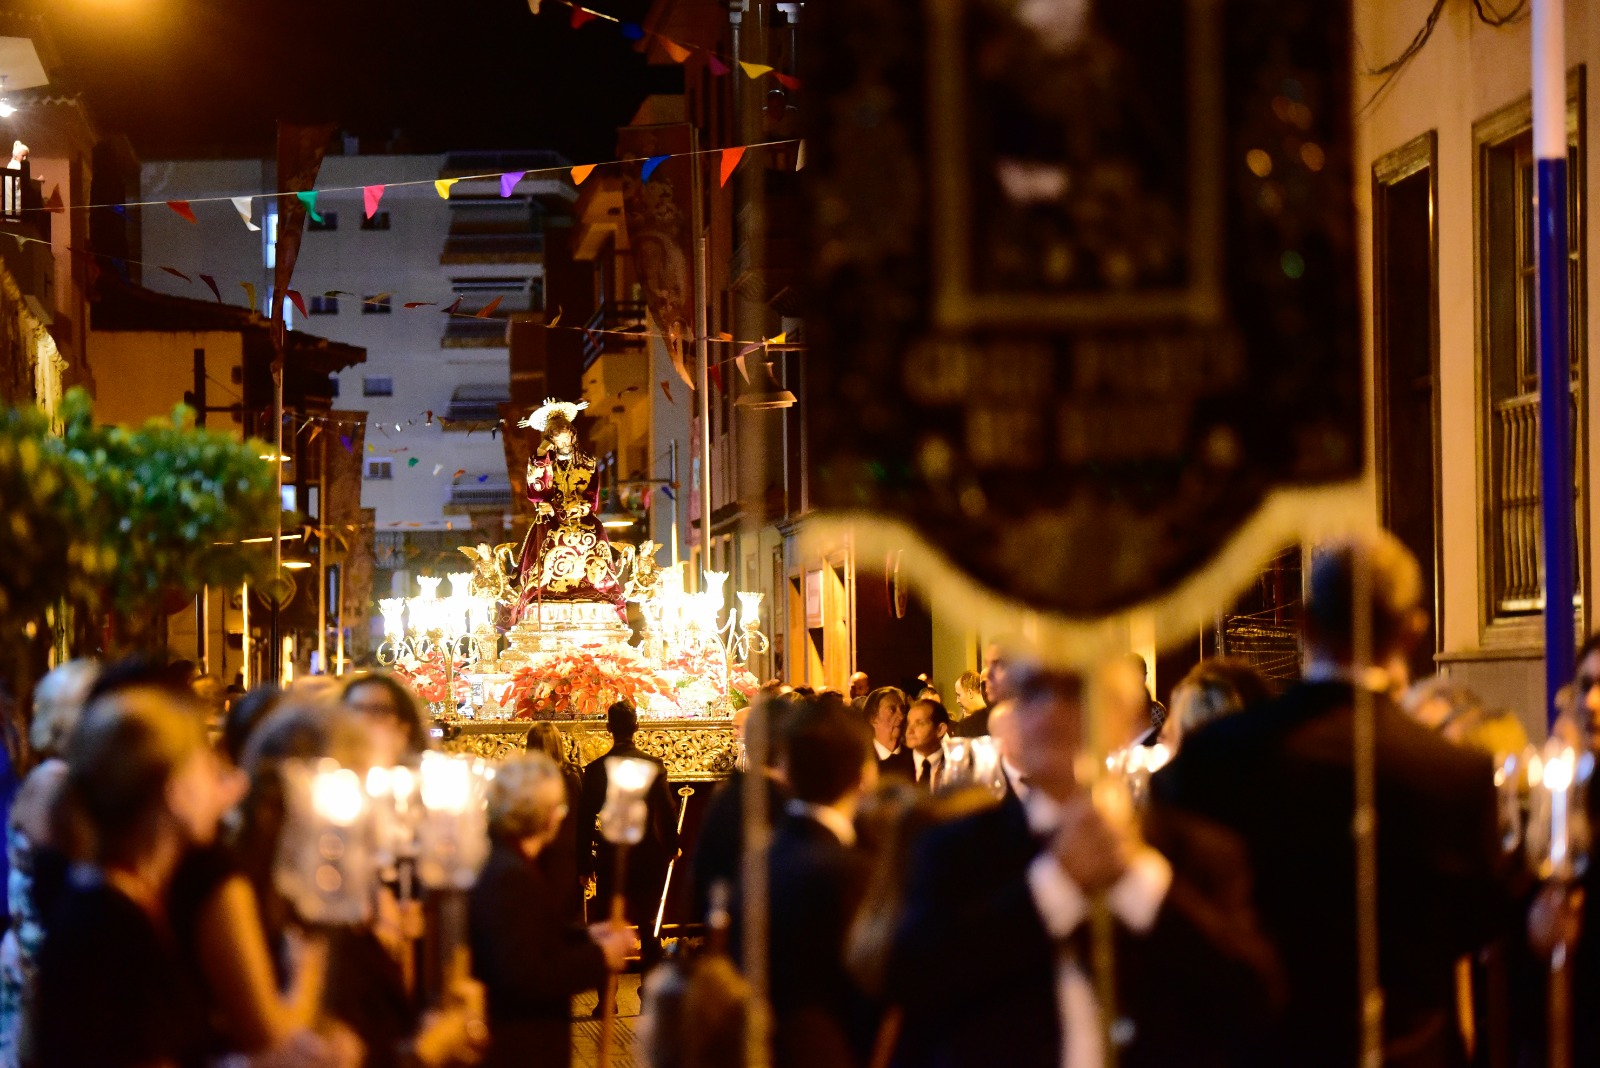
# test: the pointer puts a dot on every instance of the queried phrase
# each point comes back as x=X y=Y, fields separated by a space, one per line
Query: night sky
x=207 y=78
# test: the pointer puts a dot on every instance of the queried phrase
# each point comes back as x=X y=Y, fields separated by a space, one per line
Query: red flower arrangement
x=570 y=685
x=427 y=678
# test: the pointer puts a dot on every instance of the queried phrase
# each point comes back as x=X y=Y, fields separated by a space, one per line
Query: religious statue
x=491 y=570
x=566 y=555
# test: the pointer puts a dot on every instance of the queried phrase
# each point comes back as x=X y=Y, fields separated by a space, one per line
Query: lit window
x=269 y=237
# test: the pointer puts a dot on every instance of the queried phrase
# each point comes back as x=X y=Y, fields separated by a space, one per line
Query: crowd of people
x=903 y=916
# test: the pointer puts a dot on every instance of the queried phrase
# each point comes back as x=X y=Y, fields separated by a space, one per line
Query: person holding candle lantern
x=529 y=961
x=646 y=870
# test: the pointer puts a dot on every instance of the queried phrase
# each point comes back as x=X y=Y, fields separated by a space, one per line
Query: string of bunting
x=372 y=195
x=679 y=52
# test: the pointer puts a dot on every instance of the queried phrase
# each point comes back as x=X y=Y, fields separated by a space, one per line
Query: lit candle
x=336 y=796
x=628 y=780
x=750 y=608
x=394 y=610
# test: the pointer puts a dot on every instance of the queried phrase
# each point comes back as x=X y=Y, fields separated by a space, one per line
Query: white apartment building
x=432 y=382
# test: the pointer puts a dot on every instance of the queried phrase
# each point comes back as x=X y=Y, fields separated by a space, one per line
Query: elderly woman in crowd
x=1213 y=689
x=529 y=960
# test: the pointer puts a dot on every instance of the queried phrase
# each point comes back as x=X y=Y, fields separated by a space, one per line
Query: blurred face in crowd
x=741 y=716
x=377 y=708
x=860 y=686
x=1043 y=737
x=921 y=732
x=199 y=792
x=995 y=674
x=1586 y=699
x=889 y=722
x=969 y=700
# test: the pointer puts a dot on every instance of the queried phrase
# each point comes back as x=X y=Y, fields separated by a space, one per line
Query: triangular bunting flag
x=338 y=293
x=371 y=197
x=730 y=162
x=509 y=180
x=738 y=361
x=412 y=462
x=452 y=309
x=212 y=282
x=174 y=272
x=442 y=186
x=309 y=199
x=344 y=439
x=55 y=204
x=676 y=51
x=788 y=81
x=183 y=209
x=242 y=206
x=581 y=172
x=580 y=16
x=296 y=300
x=421 y=303
x=488 y=309
x=778 y=339
x=437 y=468
x=755 y=70
x=632 y=31
x=557 y=320
x=483 y=478
x=666 y=387
x=378 y=298
x=250 y=294
x=716 y=65
x=650 y=166
x=714 y=372
x=800 y=155
x=459 y=472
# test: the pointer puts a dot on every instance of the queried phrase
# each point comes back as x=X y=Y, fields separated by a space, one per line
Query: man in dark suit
x=646 y=868
x=998 y=906
x=816 y=879
x=529 y=961
x=886 y=715
x=719 y=845
x=1281 y=775
x=997 y=656
x=927 y=724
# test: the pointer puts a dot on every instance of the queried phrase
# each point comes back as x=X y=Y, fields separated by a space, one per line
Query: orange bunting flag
x=183 y=209
x=788 y=81
x=666 y=387
x=250 y=294
x=174 y=272
x=581 y=173
x=755 y=70
x=678 y=53
x=730 y=162
x=442 y=186
x=557 y=320
x=488 y=309
x=723 y=335
x=371 y=196
x=459 y=472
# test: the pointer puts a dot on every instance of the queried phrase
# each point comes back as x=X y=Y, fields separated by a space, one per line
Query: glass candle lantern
x=625 y=813
x=325 y=865
x=453 y=830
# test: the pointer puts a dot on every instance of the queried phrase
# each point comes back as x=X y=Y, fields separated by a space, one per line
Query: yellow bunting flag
x=755 y=70
x=250 y=294
x=678 y=53
x=443 y=186
x=581 y=173
x=778 y=339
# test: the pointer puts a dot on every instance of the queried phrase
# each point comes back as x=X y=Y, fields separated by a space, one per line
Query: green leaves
x=110 y=517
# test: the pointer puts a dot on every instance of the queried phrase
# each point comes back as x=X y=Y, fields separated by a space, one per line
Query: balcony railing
x=1516 y=509
x=611 y=316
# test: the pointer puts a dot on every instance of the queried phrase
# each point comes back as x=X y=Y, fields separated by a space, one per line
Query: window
x=288 y=310
x=1509 y=386
x=380 y=467
x=377 y=386
x=378 y=221
x=269 y=236
x=333 y=386
x=324 y=306
x=378 y=305
x=330 y=222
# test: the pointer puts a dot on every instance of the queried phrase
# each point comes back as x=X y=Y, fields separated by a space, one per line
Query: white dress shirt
x=918 y=760
x=1134 y=900
x=884 y=752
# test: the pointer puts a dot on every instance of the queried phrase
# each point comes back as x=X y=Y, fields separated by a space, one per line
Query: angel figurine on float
x=566 y=555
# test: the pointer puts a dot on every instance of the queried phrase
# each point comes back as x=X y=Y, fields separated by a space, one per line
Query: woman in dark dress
x=142 y=776
x=560 y=861
x=530 y=961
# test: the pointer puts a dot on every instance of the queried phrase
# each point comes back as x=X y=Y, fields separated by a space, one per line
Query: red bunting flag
x=488 y=309
x=452 y=309
x=580 y=16
x=183 y=209
x=178 y=274
x=678 y=53
x=371 y=197
x=666 y=387
x=730 y=162
x=788 y=81
x=716 y=65
x=55 y=204
x=212 y=282
x=297 y=301
x=421 y=303
x=714 y=372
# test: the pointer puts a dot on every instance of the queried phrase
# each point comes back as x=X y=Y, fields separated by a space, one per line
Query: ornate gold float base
x=694 y=750
x=553 y=625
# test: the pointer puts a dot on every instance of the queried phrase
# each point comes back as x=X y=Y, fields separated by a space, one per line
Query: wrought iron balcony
x=599 y=335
